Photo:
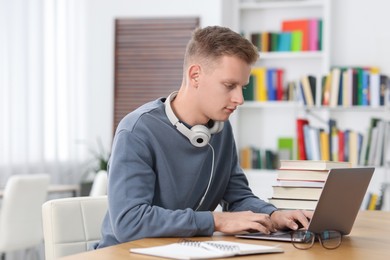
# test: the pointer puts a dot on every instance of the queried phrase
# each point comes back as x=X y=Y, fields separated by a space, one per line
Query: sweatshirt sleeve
x=132 y=211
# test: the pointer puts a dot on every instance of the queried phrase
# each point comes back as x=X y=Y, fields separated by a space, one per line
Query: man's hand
x=236 y=222
x=292 y=219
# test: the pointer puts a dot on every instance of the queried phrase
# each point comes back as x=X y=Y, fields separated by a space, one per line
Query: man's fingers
x=264 y=221
x=257 y=227
x=242 y=221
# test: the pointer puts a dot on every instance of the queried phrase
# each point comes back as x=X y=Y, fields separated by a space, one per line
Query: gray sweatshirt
x=156 y=179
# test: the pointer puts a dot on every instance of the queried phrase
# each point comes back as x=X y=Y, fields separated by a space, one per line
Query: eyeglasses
x=303 y=239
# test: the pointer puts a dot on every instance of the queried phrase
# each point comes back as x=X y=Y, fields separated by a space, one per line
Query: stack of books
x=300 y=182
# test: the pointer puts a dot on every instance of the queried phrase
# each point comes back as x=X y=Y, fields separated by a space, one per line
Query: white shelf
x=269 y=104
x=358 y=109
x=291 y=55
x=253 y=5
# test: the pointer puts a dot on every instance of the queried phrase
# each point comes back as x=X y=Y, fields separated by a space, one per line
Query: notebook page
x=205 y=250
x=180 y=251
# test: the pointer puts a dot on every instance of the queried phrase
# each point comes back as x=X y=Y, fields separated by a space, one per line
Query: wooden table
x=369 y=239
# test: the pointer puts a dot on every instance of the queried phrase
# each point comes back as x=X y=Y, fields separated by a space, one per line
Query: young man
x=174 y=159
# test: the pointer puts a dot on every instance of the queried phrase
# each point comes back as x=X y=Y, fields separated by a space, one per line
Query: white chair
x=72 y=225
x=99 y=186
x=20 y=213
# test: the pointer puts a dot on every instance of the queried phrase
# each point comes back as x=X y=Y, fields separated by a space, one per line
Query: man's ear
x=194 y=72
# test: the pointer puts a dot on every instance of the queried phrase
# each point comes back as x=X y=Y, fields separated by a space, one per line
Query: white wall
x=360 y=34
x=359 y=37
x=100 y=16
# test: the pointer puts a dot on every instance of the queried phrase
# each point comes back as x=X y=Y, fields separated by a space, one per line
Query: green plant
x=99 y=158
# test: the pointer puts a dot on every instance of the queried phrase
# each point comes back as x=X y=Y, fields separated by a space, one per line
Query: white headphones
x=199 y=135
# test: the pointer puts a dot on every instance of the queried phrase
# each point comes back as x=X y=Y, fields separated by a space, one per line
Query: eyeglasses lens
x=303 y=239
x=330 y=239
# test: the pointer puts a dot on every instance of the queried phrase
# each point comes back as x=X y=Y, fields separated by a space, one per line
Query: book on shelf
x=260 y=86
x=299 y=25
x=271 y=84
x=374 y=87
x=306 y=129
x=279 y=84
x=365 y=88
x=374 y=147
x=264 y=42
x=307 y=91
x=341 y=146
x=384 y=90
x=347 y=77
x=273 y=41
x=291 y=91
x=301 y=122
x=302 y=193
x=314 y=91
x=249 y=91
x=334 y=87
x=354 y=142
x=324 y=144
x=284 y=41
x=320 y=29
x=326 y=86
x=334 y=135
x=293 y=204
x=372 y=202
x=312 y=142
x=246 y=157
x=296 y=41
x=312 y=164
x=205 y=249
x=378 y=135
x=314 y=34
x=386 y=148
x=285 y=148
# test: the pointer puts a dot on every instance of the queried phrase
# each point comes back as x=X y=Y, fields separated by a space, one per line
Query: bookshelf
x=260 y=124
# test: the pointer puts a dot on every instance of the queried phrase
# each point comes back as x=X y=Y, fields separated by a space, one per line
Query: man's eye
x=230 y=86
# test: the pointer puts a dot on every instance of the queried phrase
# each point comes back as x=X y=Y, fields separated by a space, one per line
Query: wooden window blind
x=148 y=60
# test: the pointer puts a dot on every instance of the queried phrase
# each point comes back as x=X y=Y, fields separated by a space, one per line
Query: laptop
x=337 y=206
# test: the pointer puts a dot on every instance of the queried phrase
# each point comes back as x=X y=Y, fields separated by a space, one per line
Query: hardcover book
x=312 y=164
x=306 y=193
x=302 y=26
x=294 y=204
x=302 y=175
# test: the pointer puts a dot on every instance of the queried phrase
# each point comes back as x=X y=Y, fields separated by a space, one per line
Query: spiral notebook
x=205 y=250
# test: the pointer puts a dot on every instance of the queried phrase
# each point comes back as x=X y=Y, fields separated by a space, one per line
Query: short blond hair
x=213 y=42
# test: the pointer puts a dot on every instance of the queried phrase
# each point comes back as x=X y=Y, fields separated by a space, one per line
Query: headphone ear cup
x=200 y=135
x=217 y=127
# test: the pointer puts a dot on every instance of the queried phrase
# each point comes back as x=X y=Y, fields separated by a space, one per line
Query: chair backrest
x=72 y=225
x=20 y=214
x=99 y=186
